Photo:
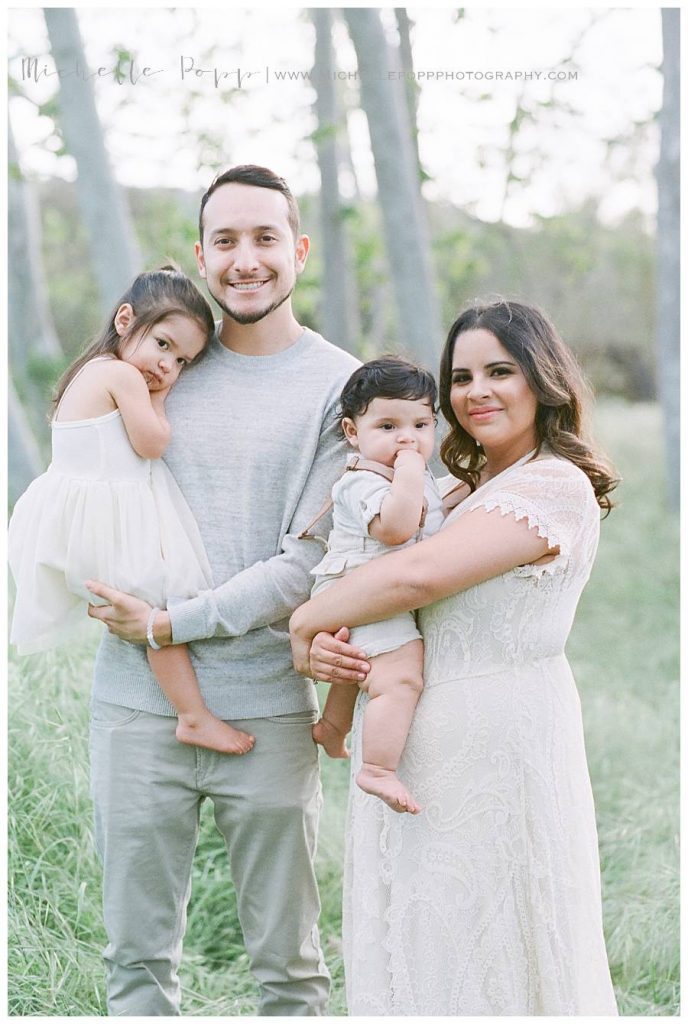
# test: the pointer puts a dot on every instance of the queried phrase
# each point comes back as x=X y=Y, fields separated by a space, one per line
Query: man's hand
x=127 y=616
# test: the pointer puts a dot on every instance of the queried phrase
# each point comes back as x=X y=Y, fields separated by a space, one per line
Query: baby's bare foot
x=329 y=737
x=385 y=784
x=213 y=734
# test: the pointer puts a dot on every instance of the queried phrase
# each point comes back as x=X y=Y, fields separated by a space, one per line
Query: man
x=255 y=448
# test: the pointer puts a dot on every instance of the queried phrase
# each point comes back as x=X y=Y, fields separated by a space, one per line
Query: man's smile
x=248 y=286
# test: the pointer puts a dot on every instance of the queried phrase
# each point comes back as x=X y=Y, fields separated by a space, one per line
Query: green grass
x=624 y=651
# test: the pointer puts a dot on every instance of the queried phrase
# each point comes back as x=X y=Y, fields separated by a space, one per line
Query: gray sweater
x=256 y=447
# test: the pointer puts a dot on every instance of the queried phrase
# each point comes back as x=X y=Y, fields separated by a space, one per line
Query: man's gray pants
x=147 y=791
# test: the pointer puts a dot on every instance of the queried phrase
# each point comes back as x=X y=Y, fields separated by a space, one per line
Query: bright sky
x=175 y=130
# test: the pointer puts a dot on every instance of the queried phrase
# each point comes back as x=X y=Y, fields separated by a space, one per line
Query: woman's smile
x=491 y=397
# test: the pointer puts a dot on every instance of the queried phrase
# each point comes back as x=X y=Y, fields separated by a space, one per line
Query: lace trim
x=509 y=506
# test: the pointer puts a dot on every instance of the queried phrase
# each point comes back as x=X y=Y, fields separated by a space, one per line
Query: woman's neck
x=499 y=459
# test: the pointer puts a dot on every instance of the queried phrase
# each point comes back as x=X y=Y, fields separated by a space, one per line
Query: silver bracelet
x=152 y=642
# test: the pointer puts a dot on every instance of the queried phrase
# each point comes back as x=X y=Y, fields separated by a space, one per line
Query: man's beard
x=250 y=318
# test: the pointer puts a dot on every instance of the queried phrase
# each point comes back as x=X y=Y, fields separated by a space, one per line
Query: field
x=624 y=651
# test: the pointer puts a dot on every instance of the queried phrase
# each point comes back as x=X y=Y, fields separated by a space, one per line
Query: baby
x=386 y=500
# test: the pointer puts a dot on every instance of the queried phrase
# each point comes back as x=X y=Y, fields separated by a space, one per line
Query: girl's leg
x=337 y=716
x=394 y=685
x=175 y=674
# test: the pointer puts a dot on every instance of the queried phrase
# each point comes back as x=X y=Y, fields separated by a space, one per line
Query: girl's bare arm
x=142 y=411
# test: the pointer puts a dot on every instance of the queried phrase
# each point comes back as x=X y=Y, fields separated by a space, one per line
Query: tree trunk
x=24 y=462
x=30 y=321
x=335 y=291
x=31 y=332
x=114 y=251
x=411 y=89
x=668 y=252
x=398 y=192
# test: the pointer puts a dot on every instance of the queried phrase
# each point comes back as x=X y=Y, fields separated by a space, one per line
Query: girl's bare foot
x=213 y=734
x=329 y=737
x=385 y=784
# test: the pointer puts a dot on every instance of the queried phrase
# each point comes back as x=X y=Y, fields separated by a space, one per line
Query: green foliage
x=597 y=283
x=167 y=227
x=44 y=371
x=72 y=287
x=624 y=651
x=324 y=133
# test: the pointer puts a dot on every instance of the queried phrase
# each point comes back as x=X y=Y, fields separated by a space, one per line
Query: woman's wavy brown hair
x=555 y=378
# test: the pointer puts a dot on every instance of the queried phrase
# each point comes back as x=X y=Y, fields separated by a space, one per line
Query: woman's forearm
x=479 y=546
x=378 y=590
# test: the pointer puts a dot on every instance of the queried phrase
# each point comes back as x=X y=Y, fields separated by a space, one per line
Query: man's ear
x=200 y=259
x=123 y=318
x=302 y=248
x=350 y=431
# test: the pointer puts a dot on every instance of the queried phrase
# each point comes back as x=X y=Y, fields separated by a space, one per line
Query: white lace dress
x=488 y=902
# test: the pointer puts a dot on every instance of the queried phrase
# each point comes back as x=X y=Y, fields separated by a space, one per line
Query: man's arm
x=263 y=593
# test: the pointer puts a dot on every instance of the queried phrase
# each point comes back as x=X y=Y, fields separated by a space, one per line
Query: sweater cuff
x=190 y=620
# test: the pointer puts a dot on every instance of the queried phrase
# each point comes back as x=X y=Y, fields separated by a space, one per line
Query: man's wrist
x=162 y=629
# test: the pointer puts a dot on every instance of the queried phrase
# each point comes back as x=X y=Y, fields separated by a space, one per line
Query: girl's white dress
x=99 y=512
x=488 y=902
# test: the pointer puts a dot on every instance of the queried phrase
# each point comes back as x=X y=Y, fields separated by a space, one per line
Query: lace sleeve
x=558 y=501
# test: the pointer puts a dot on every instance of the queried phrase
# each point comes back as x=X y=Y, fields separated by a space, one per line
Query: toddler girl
x=108 y=508
x=385 y=500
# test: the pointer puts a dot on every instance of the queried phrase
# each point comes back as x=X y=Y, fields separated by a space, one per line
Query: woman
x=488 y=902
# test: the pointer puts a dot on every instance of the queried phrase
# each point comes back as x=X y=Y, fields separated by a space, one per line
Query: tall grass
x=624 y=653
x=624 y=649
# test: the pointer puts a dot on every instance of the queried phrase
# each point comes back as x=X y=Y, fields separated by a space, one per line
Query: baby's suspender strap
x=306 y=532
x=423 y=514
x=356 y=463
x=371 y=467
x=388 y=473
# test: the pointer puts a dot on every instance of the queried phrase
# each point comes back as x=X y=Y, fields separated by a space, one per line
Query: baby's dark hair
x=387 y=377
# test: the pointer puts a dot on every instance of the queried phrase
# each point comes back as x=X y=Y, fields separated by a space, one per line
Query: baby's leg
x=331 y=730
x=175 y=674
x=394 y=686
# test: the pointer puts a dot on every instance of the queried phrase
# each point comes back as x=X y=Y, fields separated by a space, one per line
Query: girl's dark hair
x=153 y=296
x=553 y=376
x=386 y=377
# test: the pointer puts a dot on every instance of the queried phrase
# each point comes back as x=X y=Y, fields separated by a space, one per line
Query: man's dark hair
x=386 y=377
x=260 y=177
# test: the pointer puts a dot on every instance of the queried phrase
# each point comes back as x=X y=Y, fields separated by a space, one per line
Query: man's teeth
x=247 y=286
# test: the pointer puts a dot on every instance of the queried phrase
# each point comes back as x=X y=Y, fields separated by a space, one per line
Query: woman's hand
x=324 y=656
x=333 y=660
x=300 y=654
